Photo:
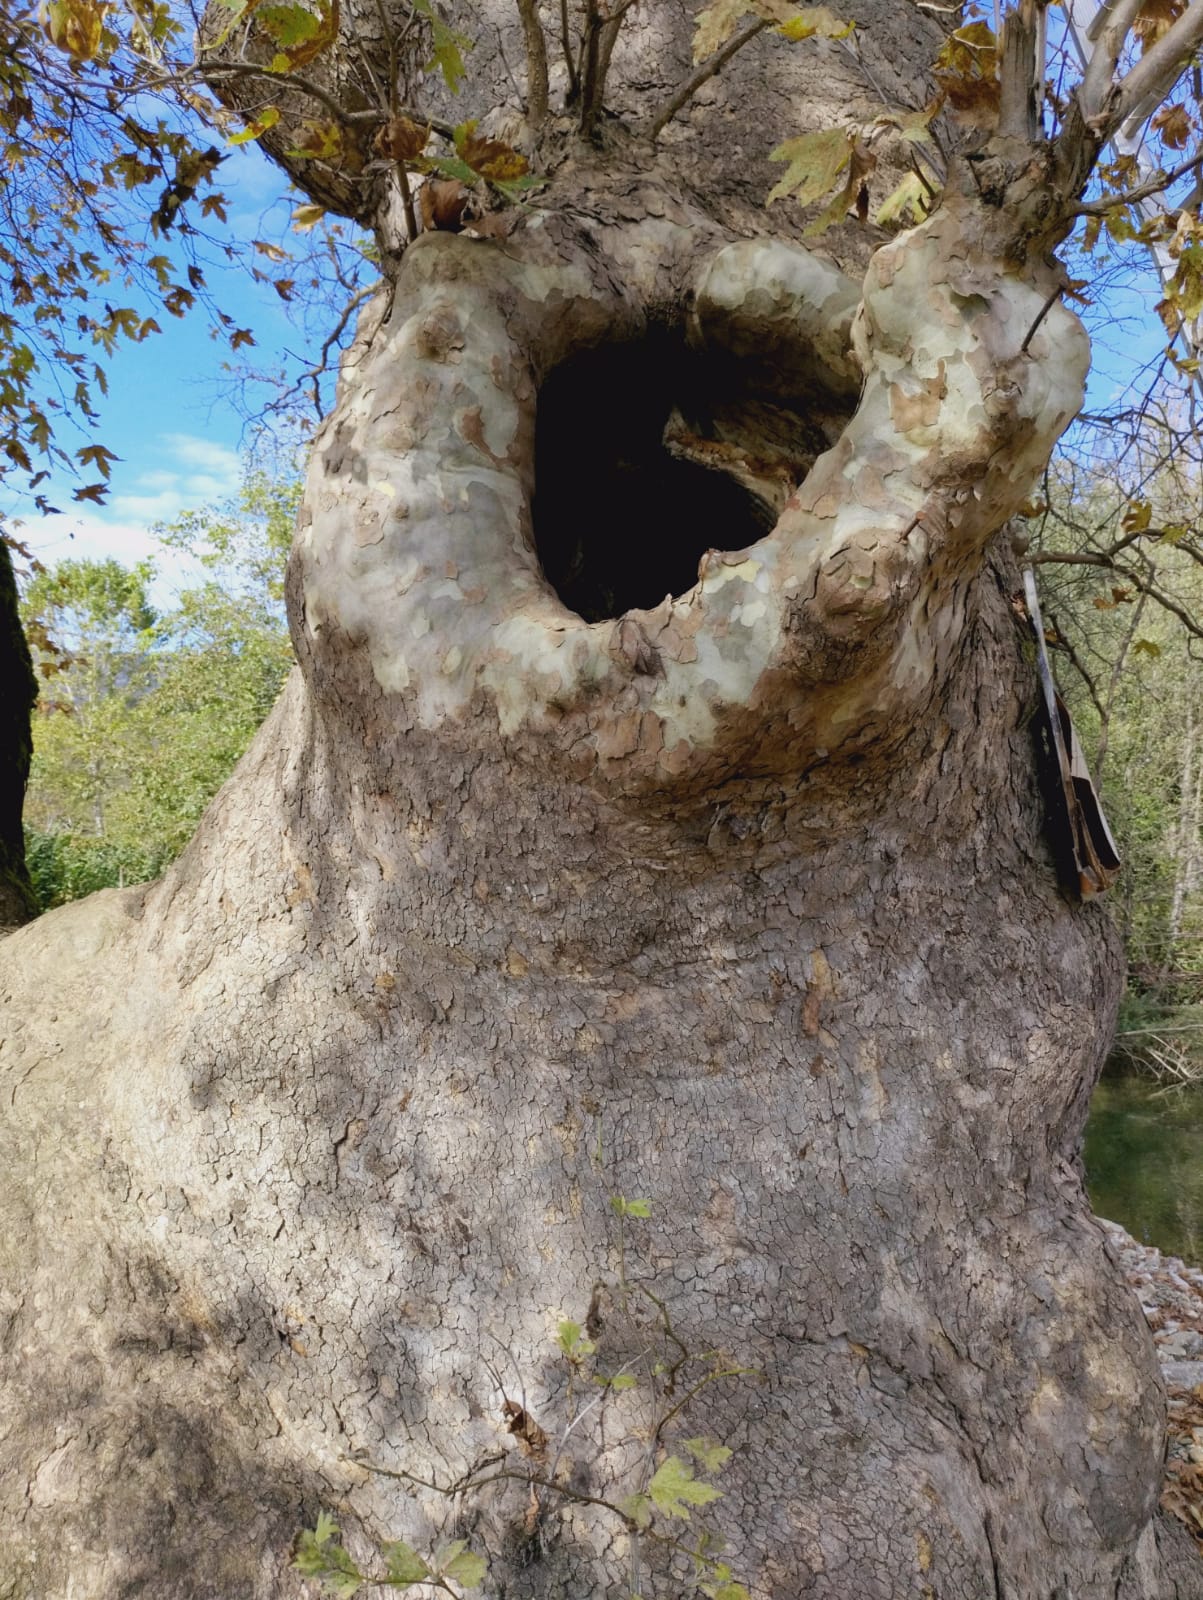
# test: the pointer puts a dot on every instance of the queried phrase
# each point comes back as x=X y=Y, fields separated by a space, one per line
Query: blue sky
x=168 y=415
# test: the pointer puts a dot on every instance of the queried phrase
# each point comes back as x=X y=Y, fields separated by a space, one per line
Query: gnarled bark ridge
x=738 y=901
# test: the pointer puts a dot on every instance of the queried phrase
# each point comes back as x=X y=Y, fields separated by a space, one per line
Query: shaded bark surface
x=740 y=902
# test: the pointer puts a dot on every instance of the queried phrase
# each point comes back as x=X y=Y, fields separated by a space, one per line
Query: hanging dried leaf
x=442 y=203
x=75 y=26
x=490 y=158
x=1175 y=126
x=401 y=139
x=966 y=70
x=1156 y=17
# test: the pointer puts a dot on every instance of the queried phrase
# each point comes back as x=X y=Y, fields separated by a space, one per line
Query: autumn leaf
x=401 y=139
x=1175 y=126
x=306 y=217
x=966 y=70
x=909 y=202
x=816 y=161
x=98 y=456
x=75 y=26
x=815 y=22
x=491 y=158
x=1137 y=517
x=1155 y=18
x=318 y=141
x=266 y=119
x=716 y=23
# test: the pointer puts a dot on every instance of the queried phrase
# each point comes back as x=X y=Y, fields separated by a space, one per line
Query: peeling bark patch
x=918 y=407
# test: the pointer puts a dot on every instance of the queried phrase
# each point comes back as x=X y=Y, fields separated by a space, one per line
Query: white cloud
x=188 y=473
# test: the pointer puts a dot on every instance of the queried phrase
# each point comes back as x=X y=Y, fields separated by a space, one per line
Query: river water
x=1144 y=1162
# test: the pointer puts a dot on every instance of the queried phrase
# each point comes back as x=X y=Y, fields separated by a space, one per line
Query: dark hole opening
x=646 y=456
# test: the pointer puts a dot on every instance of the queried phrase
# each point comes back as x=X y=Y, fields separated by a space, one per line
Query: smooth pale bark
x=741 y=903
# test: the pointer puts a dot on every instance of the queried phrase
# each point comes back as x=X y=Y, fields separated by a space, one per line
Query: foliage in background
x=1121 y=570
x=143 y=714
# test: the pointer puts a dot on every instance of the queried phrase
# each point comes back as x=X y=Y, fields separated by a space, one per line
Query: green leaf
x=623 y=1207
x=638 y=1508
x=287 y=25
x=319 y=1556
x=816 y=161
x=467 y=1569
x=405 y=1565
x=570 y=1340
x=711 y=1457
x=675 y=1490
x=448 y=46
x=620 y=1382
x=449 y=167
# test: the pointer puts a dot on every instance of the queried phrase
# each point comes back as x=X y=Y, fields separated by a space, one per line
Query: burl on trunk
x=652 y=817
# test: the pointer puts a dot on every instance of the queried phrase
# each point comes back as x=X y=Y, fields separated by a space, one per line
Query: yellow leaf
x=306 y=217
x=74 y=26
x=909 y=201
x=815 y=163
x=716 y=23
x=815 y=22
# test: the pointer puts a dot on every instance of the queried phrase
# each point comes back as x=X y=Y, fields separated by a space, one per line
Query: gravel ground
x=1171 y=1296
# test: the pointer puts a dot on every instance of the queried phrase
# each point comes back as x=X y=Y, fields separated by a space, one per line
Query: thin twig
x=1040 y=316
x=704 y=75
x=1100 y=208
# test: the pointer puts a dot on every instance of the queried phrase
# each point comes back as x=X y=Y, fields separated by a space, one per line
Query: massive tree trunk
x=539 y=891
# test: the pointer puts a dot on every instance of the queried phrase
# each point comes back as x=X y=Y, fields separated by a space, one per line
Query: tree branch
x=1099 y=208
x=1155 y=74
x=1104 y=58
x=1020 y=73
x=1089 y=558
x=536 y=64
x=705 y=73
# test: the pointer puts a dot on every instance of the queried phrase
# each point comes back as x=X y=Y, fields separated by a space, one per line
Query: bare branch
x=1104 y=58
x=705 y=73
x=1157 y=71
x=1088 y=558
x=1099 y=208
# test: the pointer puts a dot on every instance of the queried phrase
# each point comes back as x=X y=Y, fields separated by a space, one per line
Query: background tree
x=688 y=976
x=148 y=713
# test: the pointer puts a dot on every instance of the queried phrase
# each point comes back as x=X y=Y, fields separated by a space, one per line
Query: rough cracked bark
x=737 y=900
